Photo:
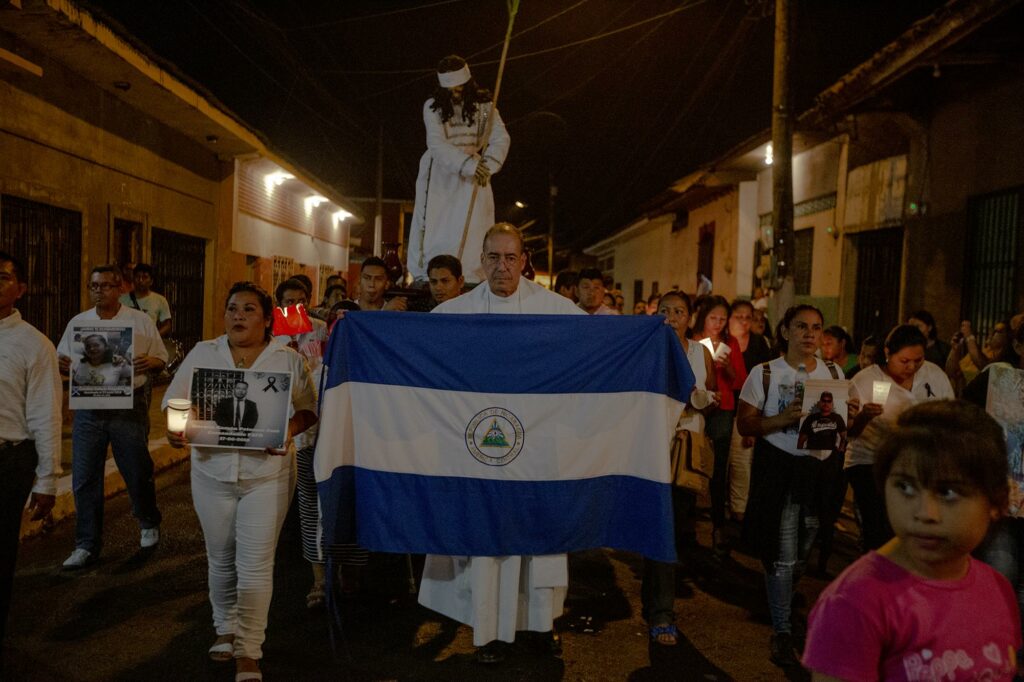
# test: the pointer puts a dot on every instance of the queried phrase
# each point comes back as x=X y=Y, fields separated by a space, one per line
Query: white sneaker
x=80 y=558
x=149 y=537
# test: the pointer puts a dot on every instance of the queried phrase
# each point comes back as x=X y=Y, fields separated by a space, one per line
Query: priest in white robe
x=498 y=596
x=456 y=120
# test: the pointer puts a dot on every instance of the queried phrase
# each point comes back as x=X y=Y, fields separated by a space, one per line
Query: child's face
x=938 y=527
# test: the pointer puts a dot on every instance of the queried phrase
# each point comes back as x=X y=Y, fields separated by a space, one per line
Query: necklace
x=240 y=359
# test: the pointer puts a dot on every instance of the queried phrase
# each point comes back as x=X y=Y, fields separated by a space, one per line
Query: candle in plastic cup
x=723 y=352
x=880 y=392
x=177 y=415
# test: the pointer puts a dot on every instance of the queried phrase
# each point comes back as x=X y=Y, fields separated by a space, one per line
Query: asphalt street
x=148 y=618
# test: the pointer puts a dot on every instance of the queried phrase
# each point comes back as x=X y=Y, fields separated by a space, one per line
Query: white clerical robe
x=498 y=596
x=444 y=187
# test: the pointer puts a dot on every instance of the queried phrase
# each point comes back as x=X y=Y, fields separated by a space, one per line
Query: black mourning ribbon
x=270 y=385
x=928 y=388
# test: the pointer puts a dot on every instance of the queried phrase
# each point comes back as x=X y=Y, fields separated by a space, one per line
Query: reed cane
x=513 y=8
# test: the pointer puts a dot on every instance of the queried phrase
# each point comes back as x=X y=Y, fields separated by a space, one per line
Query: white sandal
x=223 y=652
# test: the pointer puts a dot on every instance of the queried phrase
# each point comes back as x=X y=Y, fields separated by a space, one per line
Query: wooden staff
x=513 y=8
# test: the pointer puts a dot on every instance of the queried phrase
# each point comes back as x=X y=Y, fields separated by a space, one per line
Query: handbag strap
x=766 y=381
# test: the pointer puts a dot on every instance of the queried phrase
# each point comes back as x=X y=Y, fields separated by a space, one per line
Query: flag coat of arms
x=497 y=435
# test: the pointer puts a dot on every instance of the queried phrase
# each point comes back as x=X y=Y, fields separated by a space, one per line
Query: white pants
x=241 y=523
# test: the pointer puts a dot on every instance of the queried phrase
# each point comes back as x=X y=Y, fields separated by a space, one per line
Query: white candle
x=177 y=415
x=880 y=392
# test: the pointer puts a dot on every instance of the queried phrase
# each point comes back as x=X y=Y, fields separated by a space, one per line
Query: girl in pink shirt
x=921 y=608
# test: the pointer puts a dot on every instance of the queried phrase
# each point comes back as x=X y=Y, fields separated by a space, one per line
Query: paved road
x=128 y=619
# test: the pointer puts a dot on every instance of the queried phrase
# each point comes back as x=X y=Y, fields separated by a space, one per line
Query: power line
x=535 y=53
x=389 y=13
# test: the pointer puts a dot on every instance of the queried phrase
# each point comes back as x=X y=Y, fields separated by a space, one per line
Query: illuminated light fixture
x=520 y=204
x=275 y=179
x=312 y=201
x=769 y=155
x=340 y=217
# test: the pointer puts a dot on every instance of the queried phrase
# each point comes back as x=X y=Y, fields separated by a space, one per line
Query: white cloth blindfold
x=451 y=79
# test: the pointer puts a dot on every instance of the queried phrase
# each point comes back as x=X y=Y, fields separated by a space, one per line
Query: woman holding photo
x=242 y=496
x=911 y=379
x=99 y=365
x=788 y=486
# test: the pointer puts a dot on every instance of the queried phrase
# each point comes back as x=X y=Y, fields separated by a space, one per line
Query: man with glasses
x=498 y=595
x=125 y=430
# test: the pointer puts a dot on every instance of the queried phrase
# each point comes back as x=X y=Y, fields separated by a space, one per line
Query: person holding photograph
x=125 y=431
x=912 y=380
x=242 y=496
x=788 y=486
x=99 y=365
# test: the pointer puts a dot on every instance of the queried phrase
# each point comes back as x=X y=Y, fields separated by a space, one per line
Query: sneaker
x=79 y=559
x=783 y=654
x=149 y=537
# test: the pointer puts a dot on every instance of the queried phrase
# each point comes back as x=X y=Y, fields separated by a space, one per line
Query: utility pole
x=378 y=219
x=782 y=165
x=552 y=193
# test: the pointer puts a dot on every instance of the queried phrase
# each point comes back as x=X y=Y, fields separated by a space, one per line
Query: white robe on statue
x=498 y=596
x=444 y=187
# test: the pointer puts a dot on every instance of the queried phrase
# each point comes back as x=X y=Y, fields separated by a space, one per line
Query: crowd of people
x=937 y=593
x=928 y=471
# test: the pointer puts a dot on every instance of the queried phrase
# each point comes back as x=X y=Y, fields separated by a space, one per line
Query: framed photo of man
x=239 y=408
x=102 y=373
x=823 y=428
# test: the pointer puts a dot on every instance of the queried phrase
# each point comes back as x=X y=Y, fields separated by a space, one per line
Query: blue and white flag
x=496 y=435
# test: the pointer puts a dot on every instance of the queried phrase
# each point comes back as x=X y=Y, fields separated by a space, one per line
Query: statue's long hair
x=472 y=94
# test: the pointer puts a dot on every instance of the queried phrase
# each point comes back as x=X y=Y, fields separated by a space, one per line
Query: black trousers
x=17 y=472
x=874 y=524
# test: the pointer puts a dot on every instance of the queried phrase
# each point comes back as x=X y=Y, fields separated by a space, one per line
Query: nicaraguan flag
x=496 y=435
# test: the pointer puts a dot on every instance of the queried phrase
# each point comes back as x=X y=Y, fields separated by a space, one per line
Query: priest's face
x=503 y=262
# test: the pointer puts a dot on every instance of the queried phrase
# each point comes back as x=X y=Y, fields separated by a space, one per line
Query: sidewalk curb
x=164 y=457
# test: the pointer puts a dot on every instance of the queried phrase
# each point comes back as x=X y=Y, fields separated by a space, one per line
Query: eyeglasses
x=102 y=286
x=509 y=259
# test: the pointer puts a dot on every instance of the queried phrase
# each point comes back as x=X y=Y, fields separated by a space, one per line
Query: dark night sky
x=641 y=107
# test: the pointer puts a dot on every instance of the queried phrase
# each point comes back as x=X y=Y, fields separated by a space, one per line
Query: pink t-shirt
x=877 y=621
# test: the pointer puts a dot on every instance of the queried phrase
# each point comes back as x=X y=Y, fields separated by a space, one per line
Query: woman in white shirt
x=658 y=589
x=911 y=379
x=242 y=496
x=788 y=486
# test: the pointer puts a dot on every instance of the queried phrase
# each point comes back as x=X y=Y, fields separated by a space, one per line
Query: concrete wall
x=55 y=157
x=974 y=148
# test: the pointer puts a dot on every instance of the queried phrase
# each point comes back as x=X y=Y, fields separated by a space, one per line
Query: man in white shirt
x=141 y=297
x=497 y=596
x=126 y=431
x=30 y=395
x=591 y=290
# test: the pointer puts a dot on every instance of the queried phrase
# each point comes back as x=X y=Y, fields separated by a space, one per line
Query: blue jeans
x=1004 y=551
x=127 y=432
x=797 y=529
